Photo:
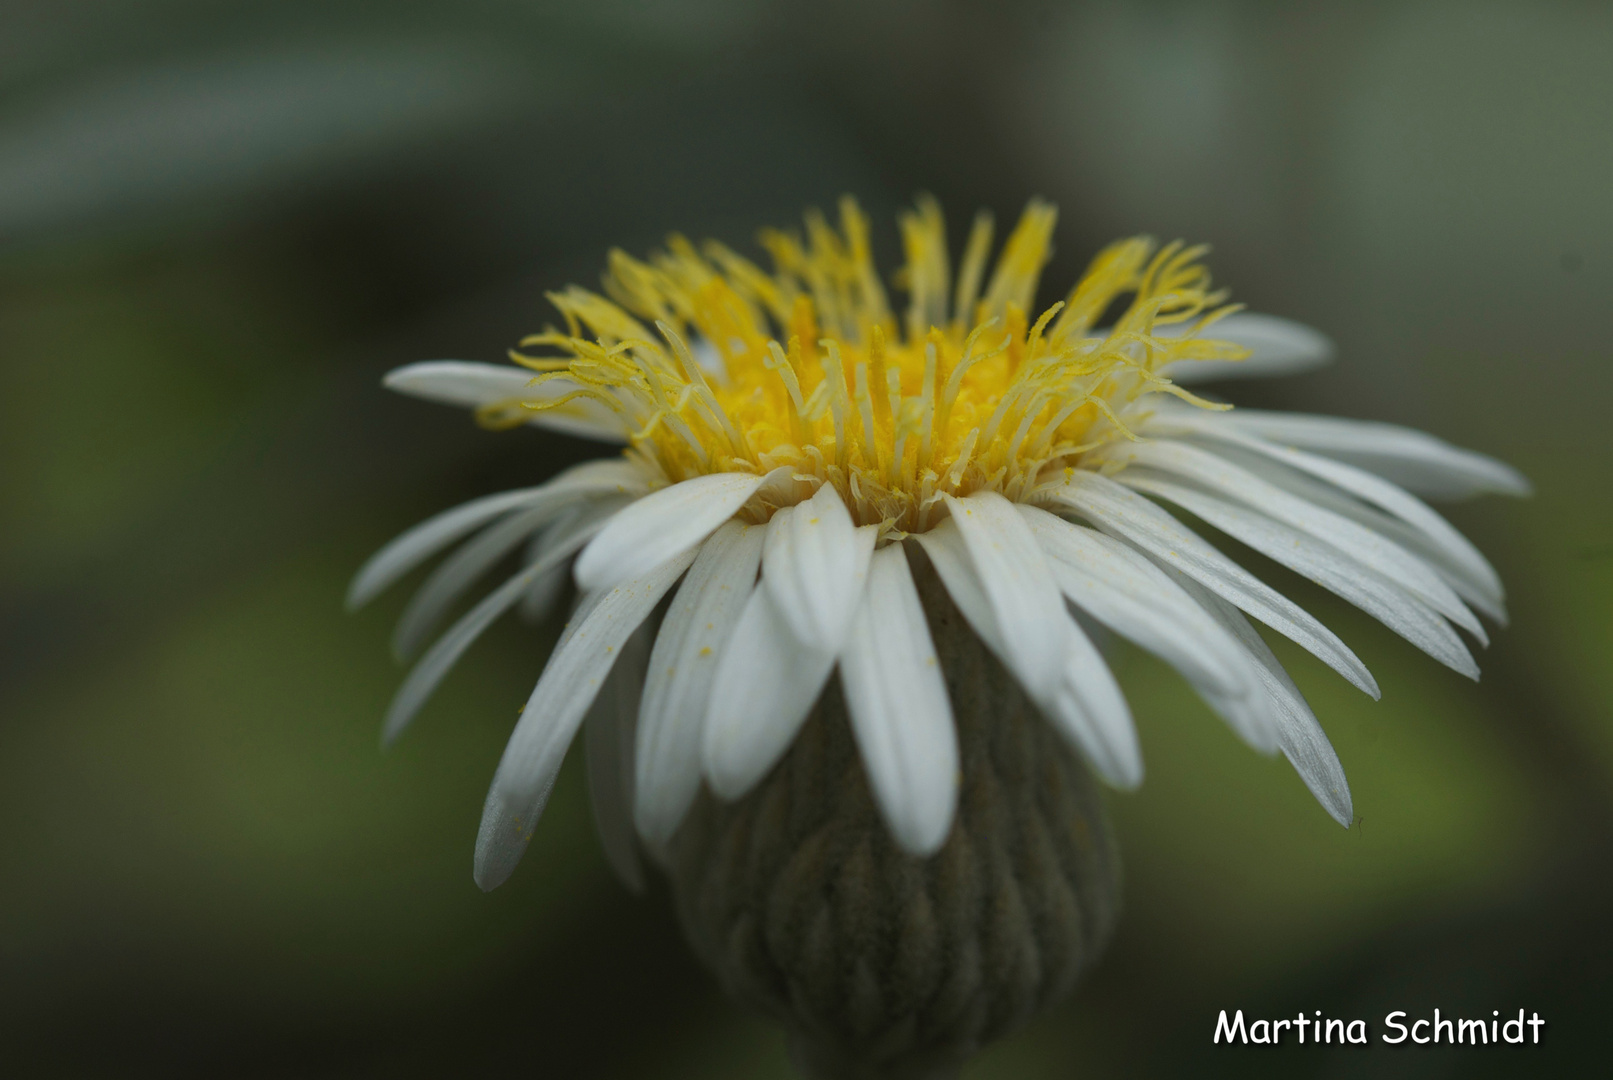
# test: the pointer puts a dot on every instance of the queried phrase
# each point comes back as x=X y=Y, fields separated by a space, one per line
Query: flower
x=791 y=442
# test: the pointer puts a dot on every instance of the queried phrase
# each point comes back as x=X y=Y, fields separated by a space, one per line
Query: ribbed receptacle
x=884 y=966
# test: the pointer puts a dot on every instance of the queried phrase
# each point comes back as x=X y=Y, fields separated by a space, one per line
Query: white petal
x=459 y=571
x=1085 y=706
x=1092 y=713
x=425 y=675
x=1123 y=590
x=588 y=480
x=1303 y=741
x=1113 y=508
x=1458 y=566
x=1276 y=347
x=1437 y=532
x=1369 y=548
x=766 y=683
x=567 y=687
x=814 y=563
x=900 y=713
x=677 y=688
x=1413 y=459
x=1479 y=587
x=950 y=557
x=609 y=736
x=1324 y=564
x=1018 y=585
x=503 y=834
x=1487 y=597
x=661 y=525
x=472 y=385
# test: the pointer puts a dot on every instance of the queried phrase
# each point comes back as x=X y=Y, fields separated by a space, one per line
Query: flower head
x=792 y=440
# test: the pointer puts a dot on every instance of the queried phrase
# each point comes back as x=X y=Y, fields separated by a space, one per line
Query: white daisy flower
x=800 y=458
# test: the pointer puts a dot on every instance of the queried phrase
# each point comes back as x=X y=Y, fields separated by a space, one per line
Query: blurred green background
x=220 y=224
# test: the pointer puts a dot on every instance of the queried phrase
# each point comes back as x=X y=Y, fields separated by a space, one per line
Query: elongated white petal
x=609 y=734
x=1085 y=705
x=1123 y=590
x=1475 y=592
x=589 y=480
x=814 y=563
x=1303 y=741
x=1413 y=459
x=471 y=385
x=677 y=688
x=900 y=713
x=1018 y=584
x=661 y=525
x=1112 y=507
x=1092 y=713
x=458 y=572
x=1276 y=346
x=1371 y=549
x=1436 y=531
x=505 y=830
x=1326 y=565
x=428 y=672
x=945 y=547
x=567 y=687
x=1479 y=588
x=767 y=681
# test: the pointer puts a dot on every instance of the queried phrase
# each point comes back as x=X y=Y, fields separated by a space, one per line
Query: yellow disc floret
x=716 y=365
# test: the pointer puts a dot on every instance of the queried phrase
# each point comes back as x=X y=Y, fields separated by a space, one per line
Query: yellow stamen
x=805 y=366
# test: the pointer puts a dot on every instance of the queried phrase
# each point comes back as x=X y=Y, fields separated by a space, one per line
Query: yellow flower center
x=716 y=365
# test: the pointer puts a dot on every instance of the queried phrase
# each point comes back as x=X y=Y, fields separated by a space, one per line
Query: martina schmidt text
x=1398 y=1028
